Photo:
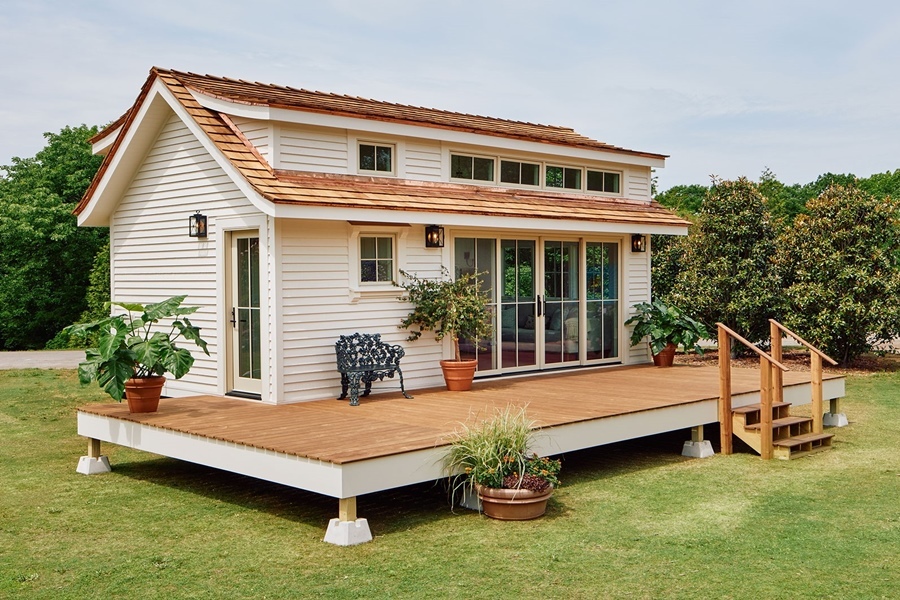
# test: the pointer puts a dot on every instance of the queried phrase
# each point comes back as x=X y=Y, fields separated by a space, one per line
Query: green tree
x=842 y=269
x=683 y=199
x=46 y=258
x=728 y=273
x=784 y=202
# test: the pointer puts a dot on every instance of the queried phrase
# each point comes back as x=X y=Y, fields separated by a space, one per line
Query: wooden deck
x=388 y=441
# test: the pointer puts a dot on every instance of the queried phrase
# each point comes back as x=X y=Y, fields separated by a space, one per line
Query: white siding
x=423 y=161
x=259 y=133
x=312 y=149
x=317 y=308
x=637 y=183
x=637 y=289
x=152 y=256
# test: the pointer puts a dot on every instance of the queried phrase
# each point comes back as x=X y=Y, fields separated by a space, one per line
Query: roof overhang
x=265 y=112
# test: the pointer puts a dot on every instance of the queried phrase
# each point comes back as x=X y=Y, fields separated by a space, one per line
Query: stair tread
x=783 y=422
x=742 y=410
x=802 y=439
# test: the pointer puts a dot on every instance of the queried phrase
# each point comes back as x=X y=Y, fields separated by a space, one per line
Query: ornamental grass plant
x=495 y=453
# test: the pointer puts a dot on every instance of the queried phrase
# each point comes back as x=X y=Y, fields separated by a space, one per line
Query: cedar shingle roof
x=311 y=189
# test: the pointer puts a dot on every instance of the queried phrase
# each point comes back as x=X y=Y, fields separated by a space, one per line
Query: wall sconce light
x=197 y=225
x=434 y=236
x=638 y=243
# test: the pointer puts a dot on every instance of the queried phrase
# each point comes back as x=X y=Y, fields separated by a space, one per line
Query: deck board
x=388 y=424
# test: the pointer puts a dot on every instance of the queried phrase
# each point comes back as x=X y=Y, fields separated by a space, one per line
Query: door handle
x=540 y=307
x=233 y=318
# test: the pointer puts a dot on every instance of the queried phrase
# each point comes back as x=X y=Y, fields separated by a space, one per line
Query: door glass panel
x=561 y=295
x=518 y=326
x=471 y=256
x=602 y=300
x=248 y=310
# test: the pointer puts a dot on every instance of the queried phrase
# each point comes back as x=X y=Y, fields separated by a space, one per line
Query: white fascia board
x=103 y=145
x=449 y=136
x=151 y=116
x=327 y=213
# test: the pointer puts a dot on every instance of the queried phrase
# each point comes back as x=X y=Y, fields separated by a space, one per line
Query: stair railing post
x=725 y=422
x=767 y=450
x=777 y=374
x=815 y=367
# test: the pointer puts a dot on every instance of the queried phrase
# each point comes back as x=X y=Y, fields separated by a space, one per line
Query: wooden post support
x=347 y=509
x=817 y=409
x=767 y=451
x=93 y=448
x=777 y=374
x=835 y=406
x=697 y=434
x=725 y=423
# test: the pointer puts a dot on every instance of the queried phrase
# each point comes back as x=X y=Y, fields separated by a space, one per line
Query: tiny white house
x=305 y=206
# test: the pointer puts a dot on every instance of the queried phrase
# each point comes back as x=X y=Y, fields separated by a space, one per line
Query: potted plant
x=455 y=308
x=492 y=459
x=131 y=358
x=667 y=327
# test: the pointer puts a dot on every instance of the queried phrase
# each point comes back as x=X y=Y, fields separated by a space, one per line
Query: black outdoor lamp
x=197 y=225
x=638 y=243
x=434 y=236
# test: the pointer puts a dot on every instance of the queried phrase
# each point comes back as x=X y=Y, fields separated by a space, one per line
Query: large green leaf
x=114 y=339
x=179 y=362
x=163 y=309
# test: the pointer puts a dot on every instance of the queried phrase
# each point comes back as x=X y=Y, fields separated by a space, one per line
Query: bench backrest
x=360 y=349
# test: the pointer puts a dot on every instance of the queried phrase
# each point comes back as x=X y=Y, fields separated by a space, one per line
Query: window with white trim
x=378 y=158
x=476 y=168
x=603 y=181
x=562 y=177
x=376 y=258
x=522 y=173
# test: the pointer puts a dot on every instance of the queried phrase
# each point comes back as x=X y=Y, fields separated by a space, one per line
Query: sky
x=724 y=88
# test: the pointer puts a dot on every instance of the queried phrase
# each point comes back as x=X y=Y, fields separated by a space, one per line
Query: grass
x=632 y=520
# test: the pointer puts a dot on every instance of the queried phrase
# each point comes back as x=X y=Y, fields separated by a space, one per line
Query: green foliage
x=842 y=269
x=456 y=308
x=664 y=325
x=728 y=271
x=46 y=258
x=784 y=202
x=665 y=263
x=683 y=199
x=493 y=449
x=128 y=347
x=97 y=299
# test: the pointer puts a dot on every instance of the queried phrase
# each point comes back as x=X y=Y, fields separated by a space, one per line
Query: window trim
x=473 y=156
x=604 y=171
x=520 y=161
x=359 y=289
x=377 y=144
x=582 y=169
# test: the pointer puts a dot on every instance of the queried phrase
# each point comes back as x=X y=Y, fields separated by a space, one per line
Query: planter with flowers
x=492 y=459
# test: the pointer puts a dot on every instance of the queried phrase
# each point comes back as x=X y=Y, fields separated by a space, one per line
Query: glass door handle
x=540 y=306
x=233 y=318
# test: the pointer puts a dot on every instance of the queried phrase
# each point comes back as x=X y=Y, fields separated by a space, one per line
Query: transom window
x=471 y=167
x=563 y=177
x=376 y=157
x=376 y=255
x=603 y=181
x=520 y=172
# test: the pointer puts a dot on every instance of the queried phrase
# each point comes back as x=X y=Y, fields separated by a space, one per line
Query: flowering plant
x=495 y=453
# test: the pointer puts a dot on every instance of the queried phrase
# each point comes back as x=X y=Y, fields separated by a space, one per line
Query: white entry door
x=244 y=314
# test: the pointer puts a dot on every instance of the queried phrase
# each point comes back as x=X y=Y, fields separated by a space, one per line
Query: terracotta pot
x=666 y=356
x=513 y=504
x=143 y=393
x=458 y=374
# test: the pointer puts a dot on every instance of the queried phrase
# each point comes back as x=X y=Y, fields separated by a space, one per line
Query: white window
x=522 y=173
x=376 y=259
x=378 y=158
x=563 y=177
x=476 y=168
x=603 y=181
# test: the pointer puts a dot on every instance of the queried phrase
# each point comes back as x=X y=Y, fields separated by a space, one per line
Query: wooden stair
x=792 y=437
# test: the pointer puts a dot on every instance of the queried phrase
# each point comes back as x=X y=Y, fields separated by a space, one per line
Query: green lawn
x=632 y=520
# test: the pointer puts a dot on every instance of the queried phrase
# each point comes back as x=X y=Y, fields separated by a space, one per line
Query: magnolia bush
x=841 y=263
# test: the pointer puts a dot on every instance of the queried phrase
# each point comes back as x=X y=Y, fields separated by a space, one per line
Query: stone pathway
x=41 y=359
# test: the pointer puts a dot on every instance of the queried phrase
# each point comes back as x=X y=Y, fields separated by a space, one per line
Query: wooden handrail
x=761 y=354
x=816 y=357
x=767 y=392
x=803 y=342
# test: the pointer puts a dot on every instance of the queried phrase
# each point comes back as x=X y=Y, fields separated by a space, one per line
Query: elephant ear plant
x=665 y=324
x=128 y=346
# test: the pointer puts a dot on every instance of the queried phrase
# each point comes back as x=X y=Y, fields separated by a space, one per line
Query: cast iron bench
x=363 y=357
